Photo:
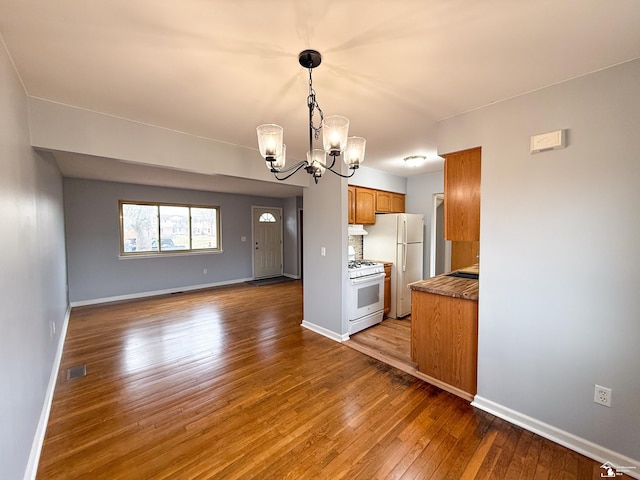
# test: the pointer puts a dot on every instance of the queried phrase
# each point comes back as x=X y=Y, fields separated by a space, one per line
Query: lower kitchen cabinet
x=444 y=340
x=387 y=289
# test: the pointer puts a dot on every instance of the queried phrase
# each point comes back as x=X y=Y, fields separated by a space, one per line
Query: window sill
x=167 y=254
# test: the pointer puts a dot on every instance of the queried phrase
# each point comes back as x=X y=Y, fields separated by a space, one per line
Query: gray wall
x=93 y=232
x=290 y=236
x=560 y=236
x=33 y=275
x=420 y=191
x=372 y=178
x=325 y=277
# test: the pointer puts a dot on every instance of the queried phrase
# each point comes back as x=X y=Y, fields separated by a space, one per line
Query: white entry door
x=267 y=242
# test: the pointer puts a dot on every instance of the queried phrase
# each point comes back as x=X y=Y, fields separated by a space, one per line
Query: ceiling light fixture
x=414 y=160
x=335 y=140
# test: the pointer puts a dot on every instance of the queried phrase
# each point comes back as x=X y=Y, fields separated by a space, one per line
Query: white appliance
x=366 y=295
x=397 y=238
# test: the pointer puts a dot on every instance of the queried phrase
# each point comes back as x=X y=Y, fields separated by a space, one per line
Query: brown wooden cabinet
x=365 y=206
x=389 y=202
x=351 y=192
x=397 y=203
x=462 y=195
x=464 y=254
x=387 y=288
x=383 y=201
x=364 y=203
x=444 y=340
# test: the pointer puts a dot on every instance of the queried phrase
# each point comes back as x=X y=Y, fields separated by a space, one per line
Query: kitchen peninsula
x=444 y=331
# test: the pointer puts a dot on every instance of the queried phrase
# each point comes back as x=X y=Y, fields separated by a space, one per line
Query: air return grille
x=76 y=372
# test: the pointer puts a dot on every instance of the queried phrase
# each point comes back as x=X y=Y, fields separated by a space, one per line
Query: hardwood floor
x=389 y=341
x=225 y=383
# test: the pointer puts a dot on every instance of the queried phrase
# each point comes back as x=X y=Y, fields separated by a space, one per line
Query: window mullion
x=159 y=228
x=190 y=231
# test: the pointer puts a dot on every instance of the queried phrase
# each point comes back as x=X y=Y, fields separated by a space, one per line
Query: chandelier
x=335 y=140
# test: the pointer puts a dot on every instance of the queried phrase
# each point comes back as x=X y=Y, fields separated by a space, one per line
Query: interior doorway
x=267 y=241
x=440 y=255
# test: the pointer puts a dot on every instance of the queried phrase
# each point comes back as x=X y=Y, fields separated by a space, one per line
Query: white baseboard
x=566 y=439
x=325 y=332
x=291 y=275
x=41 y=429
x=133 y=296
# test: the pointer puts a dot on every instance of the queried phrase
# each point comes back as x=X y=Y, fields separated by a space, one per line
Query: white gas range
x=366 y=294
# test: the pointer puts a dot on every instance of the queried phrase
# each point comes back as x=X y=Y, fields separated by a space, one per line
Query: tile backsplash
x=357 y=242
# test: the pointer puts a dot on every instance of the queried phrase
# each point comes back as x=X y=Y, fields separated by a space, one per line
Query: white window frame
x=159 y=252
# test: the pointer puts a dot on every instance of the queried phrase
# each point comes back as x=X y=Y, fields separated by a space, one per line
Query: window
x=267 y=218
x=163 y=228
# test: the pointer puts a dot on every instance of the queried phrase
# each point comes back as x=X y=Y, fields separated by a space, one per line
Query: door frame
x=300 y=244
x=438 y=199
x=253 y=238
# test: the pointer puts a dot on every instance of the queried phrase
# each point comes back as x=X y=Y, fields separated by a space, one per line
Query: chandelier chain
x=313 y=105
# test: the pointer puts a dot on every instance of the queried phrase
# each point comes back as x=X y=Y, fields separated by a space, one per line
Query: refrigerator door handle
x=404 y=230
x=404 y=257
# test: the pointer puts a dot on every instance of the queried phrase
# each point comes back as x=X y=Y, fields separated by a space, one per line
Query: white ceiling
x=219 y=68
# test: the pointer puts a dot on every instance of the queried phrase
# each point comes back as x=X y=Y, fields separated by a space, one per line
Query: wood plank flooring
x=388 y=341
x=225 y=383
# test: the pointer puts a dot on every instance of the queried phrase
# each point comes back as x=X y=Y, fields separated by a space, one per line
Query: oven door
x=366 y=295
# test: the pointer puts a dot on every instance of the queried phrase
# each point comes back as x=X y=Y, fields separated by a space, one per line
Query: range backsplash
x=357 y=242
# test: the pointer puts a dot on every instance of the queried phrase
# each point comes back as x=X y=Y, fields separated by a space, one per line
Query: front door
x=267 y=242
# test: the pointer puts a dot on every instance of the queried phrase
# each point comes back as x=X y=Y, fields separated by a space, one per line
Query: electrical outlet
x=204 y=271
x=602 y=396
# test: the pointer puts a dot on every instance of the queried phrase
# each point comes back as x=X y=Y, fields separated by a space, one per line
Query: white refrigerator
x=397 y=238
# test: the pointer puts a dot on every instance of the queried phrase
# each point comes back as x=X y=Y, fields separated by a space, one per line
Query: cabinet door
x=365 y=206
x=462 y=195
x=464 y=254
x=352 y=204
x=387 y=289
x=444 y=339
x=397 y=203
x=383 y=201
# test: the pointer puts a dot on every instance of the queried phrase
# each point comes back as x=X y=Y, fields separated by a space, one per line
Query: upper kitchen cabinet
x=351 y=191
x=462 y=195
x=397 y=203
x=389 y=202
x=365 y=206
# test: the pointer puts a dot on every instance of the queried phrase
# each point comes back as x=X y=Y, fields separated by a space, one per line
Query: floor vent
x=76 y=372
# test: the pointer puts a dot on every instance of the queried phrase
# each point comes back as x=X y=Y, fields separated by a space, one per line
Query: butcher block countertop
x=450 y=286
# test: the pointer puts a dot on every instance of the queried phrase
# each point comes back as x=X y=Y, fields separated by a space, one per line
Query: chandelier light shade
x=270 y=141
x=354 y=153
x=317 y=162
x=335 y=130
x=280 y=161
x=335 y=137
